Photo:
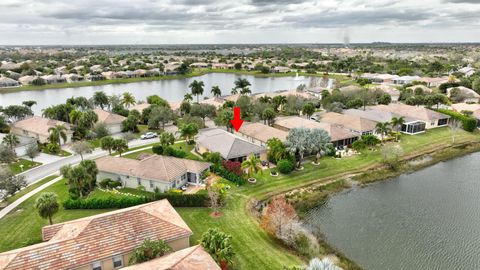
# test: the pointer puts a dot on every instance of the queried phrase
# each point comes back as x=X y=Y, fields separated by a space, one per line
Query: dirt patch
x=216 y=214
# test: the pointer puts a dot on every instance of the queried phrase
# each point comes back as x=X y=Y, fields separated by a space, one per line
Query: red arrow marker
x=236 y=122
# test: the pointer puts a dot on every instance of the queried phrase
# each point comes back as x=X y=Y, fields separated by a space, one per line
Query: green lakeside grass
x=16 y=168
x=254 y=248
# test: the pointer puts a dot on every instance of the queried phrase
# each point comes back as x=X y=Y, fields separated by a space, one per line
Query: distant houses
x=162 y=172
x=107 y=241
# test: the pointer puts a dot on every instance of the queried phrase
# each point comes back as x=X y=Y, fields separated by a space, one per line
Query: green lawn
x=29 y=188
x=62 y=153
x=16 y=167
x=254 y=247
x=23 y=226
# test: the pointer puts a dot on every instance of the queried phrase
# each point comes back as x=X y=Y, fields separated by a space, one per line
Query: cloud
x=231 y=21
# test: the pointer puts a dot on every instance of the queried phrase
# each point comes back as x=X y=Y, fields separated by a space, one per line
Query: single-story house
x=412 y=126
x=186 y=259
x=26 y=80
x=434 y=82
x=7 y=82
x=474 y=108
x=222 y=66
x=230 y=146
x=37 y=127
x=259 y=133
x=389 y=89
x=280 y=69
x=353 y=123
x=101 y=242
x=199 y=65
x=111 y=120
x=52 y=79
x=339 y=136
x=405 y=79
x=469 y=94
x=162 y=172
x=215 y=101
x=431 y=118
x=467 y=71
x=139 y=107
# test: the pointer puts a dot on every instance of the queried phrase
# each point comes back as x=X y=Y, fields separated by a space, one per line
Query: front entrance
x=192 y=177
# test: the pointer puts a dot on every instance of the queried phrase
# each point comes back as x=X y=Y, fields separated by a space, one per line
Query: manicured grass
x=254 y=248
x=17 y=168
x=23 y=226
x=62 y=153
x=29 y=188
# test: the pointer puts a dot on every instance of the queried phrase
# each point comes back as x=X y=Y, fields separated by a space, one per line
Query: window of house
x=151 y=184
x=139 y=181
x=97 y=266
x=117 y=261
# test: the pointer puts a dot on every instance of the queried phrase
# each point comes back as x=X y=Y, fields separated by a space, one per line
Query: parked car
x=314 y=118
x=149 y=135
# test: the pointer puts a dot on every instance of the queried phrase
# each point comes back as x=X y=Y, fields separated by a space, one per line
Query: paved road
x=35 y=174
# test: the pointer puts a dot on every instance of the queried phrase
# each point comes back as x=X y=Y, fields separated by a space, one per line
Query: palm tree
x=57 y=133
x=243 y=85
x=47 y=205
x=216 y=91
x=120 y=145
x=197 y=88
x=166 y=139
x=252 y=165
x=187 y=97
x=278 y=101
x=11 y=140
x=265 y=99
x=397 y=123
x=128 y=99
x=383 y=129
x=107 y=143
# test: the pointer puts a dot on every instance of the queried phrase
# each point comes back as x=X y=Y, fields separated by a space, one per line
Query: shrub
x=220 y=170
x=176 y=200
x=114 y=184
x=359 y=145
x=53 y=148
x=285 y=166
x=157 y=149
x=170 y=151
x=468 y=123
x=233 y=166
x=104 y=183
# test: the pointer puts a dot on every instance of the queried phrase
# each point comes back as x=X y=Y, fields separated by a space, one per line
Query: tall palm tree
x=397 y=123
x=47 y=205
x=128 y=99
x=242 y=85
x=197 y=88
x=252 y=165
x=383 y=129
x=216 y=92
x=188 y=97
x=57 y=133
x=11 y=140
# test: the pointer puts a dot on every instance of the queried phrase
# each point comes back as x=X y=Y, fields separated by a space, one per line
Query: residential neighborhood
x=246 y=135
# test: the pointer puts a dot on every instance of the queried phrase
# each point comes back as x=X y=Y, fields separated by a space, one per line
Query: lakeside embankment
x=194 y=73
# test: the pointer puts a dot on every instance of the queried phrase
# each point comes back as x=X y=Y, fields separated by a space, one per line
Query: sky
x=85 y=22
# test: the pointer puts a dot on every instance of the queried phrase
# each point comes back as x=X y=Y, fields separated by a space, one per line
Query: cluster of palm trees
x=386 y=128
x=197 y=89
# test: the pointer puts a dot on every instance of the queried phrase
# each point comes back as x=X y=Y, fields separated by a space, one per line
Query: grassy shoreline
x=195 y=73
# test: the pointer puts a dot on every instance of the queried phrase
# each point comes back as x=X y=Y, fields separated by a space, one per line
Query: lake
x=429 y=219
x=171 y=90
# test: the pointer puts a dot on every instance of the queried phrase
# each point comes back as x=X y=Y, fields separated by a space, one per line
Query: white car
x=149 y=135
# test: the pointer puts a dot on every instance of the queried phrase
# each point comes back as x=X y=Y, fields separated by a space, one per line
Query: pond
x=429 y=219
x=171 y=90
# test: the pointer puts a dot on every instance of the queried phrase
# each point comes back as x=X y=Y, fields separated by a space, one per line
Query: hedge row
x=469 y=123
x=176 y=200
x=230 y=176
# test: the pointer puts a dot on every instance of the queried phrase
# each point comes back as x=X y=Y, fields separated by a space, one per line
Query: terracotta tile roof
x=186 y=259
x=475 y=108
x=350 y=122
x=139 y=107
x=262 y=132
x=108 y=117
x=336 y=132
x=38 y=125
x=215 y=101
x=155 y=167
x=83 y=241
x=228 y=145
x=418 y=113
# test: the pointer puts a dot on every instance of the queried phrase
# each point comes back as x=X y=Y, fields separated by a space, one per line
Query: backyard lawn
x=255 y=249
x=17 y=168
x=179 y=146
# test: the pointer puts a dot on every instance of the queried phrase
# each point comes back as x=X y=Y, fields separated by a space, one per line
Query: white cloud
x=239 y=21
